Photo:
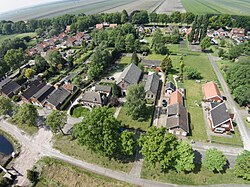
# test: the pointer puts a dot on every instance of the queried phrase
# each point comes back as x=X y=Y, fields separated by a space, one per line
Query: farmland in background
x=234 y=7
x=169 y=6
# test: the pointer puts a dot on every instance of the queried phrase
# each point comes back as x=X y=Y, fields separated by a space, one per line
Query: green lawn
x=80 y=111
x=56 y=173
x=129 y=122
x=233 y=7
x=201 y=176
x=12 y=36
x=234 y=140
x=71 y=147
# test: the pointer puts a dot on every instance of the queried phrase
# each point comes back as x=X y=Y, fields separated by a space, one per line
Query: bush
x=80 y=111
x=192 y=73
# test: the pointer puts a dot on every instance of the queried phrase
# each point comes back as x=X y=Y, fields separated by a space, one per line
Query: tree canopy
x=136 y=104
x=99 y=131
x=56 y=120
x=242 y=167
x=214 y=160
x=166 y=64
x=26 y=115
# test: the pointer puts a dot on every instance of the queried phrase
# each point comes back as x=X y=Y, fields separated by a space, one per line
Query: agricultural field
x=169 y=6
x=234 y=7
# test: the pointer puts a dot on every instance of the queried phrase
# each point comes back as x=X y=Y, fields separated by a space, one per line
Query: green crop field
x=233 y=7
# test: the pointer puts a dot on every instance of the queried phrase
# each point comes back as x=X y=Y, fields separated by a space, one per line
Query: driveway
x=238 y=117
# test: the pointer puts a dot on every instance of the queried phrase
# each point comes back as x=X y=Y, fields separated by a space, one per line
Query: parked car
x=164 y=103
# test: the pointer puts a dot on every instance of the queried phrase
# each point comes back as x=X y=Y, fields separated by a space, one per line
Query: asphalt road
x=238 y=118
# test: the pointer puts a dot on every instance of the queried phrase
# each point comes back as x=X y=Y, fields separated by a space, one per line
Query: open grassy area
x=130 y=123
x=56 y=173
x=71 y=147
x=12 y=36
x=233 y=7
x=234 y=140
x=80 y=111
x=201 y=176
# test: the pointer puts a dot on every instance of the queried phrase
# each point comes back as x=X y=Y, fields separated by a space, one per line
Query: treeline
x=82 y=22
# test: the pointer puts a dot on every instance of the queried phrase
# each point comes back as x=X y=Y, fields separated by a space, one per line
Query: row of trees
x=164 y=150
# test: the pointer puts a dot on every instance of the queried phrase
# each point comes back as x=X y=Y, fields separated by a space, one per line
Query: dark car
x=164 y=103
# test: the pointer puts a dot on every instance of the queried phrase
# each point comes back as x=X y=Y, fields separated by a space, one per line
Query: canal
x=5 y=146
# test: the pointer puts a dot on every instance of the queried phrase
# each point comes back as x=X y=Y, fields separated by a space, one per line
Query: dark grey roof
x=102 y=88
x=155 y=63
x=219 y=114
x=4 y=82
x=92 y=97
x=10 y=87
x=130 y=74
x=58 y=97
x=152 y=83
x=178 y=117
x=33 y=89
x=44 y=92
x=171 y=86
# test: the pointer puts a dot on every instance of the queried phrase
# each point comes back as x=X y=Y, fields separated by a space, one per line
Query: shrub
x=192 y=73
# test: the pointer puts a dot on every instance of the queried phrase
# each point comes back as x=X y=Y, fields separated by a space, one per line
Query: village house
x=93 y=99
x=177 y=120
x=105 y=25
x=32 y=89
x=211 y=92
x=237 y=33
x=71 y=42
x=63 y=36
x=130 y=76
x=219 y=118
x=41 y=95
x=170 y=88
x=151 y=87
x=10 y=89
x=43 y=47
x=103 y=89
x=152 y=64
x=176 y=98
x=69 y=87
x=57 y=98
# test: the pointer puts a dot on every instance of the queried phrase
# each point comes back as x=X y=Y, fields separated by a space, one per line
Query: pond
x=5 y=146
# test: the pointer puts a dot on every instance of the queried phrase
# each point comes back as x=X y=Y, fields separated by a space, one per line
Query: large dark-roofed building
x=151 y=86
x=10 y=89
x=177 y=120
x=57 y=98
x=39 y=97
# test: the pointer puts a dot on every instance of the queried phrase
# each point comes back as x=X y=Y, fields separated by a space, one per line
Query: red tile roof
x=176 y=98
x=210 y=90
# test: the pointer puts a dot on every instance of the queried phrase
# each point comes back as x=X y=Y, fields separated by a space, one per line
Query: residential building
x=176 y=98
x=177 y=120
x=170 y=88
x=103 y=89
x=57 y=98
x=154 y=64
x=32 y=89
x=237 y=33
x=10 y=89
x=130 y=76
x=151 y=87
x=211 y=92
x=41 y=95
x=219 y=118
x=93 y=99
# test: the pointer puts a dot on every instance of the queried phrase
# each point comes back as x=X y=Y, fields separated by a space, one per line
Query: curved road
x=241 y=126
x=33 y=148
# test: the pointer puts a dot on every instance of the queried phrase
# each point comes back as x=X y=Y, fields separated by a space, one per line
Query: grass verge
x=201 y=176
x=56 y=173
x=71 y=147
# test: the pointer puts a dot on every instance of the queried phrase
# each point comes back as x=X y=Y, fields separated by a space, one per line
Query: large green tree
x=214 y=160
x=5 y=105
x=135 y=59
x=166 y=64
x=159 y=148
x=14 y=58
x=205 y=43
x=26 y=115
x=159 y=43
x=242 y=167
x=56 y=120
x=136 y=104
x=128 y=143
x=124 y=16
x=185 y=159
x=99 y=131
